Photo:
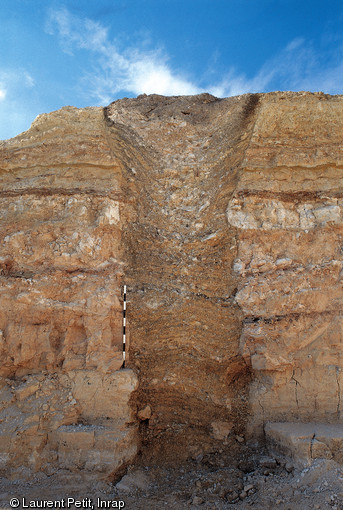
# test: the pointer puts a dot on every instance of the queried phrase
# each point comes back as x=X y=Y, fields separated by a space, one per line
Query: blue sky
x=87 y=53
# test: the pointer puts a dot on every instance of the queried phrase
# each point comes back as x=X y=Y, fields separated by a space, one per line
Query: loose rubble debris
x=262 y=482
x=212 y=481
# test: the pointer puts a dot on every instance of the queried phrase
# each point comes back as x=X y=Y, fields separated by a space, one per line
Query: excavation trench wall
x=287 y=208
x=224 y=220
x=182 y=165
x=64 y=400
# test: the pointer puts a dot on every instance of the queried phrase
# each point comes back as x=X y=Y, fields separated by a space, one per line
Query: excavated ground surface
x=209 y=482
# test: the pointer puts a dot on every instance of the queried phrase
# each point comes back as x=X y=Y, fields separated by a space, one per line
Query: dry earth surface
x=210 y=482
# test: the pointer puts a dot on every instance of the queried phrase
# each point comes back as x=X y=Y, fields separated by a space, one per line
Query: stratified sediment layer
x=288 y=211
x=64 y=402
x=182 y=167
x=224 y=219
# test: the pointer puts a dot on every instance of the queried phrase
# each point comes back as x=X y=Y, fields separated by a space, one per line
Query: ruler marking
x=124 y=327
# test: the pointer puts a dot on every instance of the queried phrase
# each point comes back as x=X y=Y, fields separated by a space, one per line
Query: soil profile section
x=224 y=219
x=288 y=209
x=63 y=398
x=181 y=160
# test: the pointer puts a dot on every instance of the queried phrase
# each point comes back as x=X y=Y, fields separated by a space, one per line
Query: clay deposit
x=224 y=218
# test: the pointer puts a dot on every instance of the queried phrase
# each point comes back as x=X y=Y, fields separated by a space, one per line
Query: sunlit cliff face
x=224 y=220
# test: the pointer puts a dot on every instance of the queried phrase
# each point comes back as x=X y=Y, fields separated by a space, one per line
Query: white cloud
x=299 y=66
x=234 y=84
x=15 y=117
x=29 y=81
x=131 y=70
x=295 y=43
x=16 y=112
x=76 y=33
x=11 y=80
